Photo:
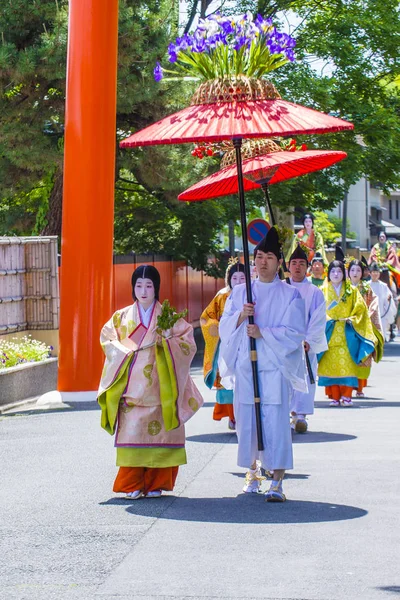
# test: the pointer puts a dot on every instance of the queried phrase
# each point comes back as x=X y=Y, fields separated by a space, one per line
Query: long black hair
x=336 y=264
x=147 y=272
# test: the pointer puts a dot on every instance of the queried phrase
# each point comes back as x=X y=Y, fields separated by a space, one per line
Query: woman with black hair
x=349 y=334
x=146 y=393
x=356 y=273
x=209 y=322
x=310 y=238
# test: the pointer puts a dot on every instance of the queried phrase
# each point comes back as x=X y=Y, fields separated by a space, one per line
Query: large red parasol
x=284 y=165
x=222 y=121
x=237 y=109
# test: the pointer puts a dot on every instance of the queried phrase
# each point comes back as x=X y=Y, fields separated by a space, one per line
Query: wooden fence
x=29 y=293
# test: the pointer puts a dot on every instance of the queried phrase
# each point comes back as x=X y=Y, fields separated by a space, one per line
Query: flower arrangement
x=168 y=317
x=348 y=291
x=229 y=46
x=23 y=350
x=291 y=146
x=218 y=149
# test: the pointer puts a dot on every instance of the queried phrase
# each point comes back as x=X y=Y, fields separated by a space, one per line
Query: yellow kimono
x=209 y=322
x=351 y=339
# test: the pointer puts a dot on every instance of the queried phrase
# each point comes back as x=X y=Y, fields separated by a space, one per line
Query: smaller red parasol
x=280 y=165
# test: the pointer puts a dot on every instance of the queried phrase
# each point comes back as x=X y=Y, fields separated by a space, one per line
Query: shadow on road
x=314 y=437
x=221 y=437
x=395 y=589
x=357 y=404
x=246 y=508
x=287 y=475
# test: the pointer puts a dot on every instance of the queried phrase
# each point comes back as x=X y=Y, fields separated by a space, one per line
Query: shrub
x=23 y=350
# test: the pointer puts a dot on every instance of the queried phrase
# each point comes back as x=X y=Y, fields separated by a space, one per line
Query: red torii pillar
x=88 y=201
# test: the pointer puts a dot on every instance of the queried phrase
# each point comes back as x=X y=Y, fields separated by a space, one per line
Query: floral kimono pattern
x=146 y=393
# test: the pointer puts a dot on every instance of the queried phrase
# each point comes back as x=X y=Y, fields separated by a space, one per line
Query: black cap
x=339 y=254
x=298 y=253
x=270 y=243
x=317 y=257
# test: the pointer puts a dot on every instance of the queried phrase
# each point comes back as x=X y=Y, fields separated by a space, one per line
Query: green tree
x=348 y=65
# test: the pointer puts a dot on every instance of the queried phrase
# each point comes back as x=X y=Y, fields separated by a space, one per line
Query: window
x=390 y=209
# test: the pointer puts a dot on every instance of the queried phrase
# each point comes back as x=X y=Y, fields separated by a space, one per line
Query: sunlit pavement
x=64 y=534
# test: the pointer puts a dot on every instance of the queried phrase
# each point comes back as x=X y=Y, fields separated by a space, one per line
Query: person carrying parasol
x=279 y=331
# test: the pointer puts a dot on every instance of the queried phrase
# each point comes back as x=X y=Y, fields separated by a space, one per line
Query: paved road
x=65 y=536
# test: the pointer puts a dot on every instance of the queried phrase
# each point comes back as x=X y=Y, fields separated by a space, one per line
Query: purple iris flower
x=173 y=56
x=158 y=72
x=241 y=41
x=199 y=45
x=289 y=54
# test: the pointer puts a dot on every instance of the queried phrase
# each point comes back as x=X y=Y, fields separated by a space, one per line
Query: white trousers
x=303 y=403
x=277 y=437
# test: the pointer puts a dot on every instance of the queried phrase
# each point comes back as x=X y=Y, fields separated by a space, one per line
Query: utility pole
x=344 y=222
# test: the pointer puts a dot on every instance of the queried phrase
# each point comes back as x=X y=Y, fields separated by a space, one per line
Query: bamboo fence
x=29 y=292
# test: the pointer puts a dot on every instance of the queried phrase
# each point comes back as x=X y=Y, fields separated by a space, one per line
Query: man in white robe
x=279 y=331
x=315 y=340
x=387 y=306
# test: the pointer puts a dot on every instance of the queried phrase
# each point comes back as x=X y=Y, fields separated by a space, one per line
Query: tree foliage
x=347 y=65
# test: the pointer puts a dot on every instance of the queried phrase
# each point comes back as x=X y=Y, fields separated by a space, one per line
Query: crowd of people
x=321 y=324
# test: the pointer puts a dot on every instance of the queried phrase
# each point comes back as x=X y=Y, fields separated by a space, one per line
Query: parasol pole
x=264 y=186
x=265 y=189
x=237 y=143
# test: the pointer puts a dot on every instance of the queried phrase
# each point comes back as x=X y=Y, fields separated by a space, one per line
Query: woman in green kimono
x=310 y=238
x=351 y=340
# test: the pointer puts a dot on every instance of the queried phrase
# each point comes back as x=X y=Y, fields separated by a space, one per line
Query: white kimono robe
x=279 y=313
x=387 y=306
x=315 y=311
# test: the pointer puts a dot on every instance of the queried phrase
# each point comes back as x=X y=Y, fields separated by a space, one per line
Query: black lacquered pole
x=237 y=142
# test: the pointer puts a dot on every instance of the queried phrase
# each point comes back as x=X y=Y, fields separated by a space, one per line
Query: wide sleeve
x=283 y=344
x=320 y=247
x=360 y=336
x=231 y=335
x=180 y=398
x=315 y=334
x=209 y=322
x=115 y=373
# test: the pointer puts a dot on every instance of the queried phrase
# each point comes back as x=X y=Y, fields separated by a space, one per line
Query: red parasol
x=248 y=119
x=237 y=109
x=285 y=165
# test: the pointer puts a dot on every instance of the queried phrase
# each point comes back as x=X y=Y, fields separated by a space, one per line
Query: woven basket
x=234 y=89
x=250 y=149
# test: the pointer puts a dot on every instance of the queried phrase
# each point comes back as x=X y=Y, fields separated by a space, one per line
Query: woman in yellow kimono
x=209 y=322
x=146 y=393
x=310 y=238
x=356 y=272
x=350 y=337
